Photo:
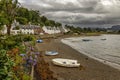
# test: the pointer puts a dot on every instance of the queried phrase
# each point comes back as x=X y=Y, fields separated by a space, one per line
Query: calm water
x=106 y=51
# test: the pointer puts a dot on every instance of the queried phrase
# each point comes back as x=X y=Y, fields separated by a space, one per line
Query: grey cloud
x=82 y=12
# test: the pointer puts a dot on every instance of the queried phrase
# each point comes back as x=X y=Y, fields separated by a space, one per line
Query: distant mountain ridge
x=115 y=27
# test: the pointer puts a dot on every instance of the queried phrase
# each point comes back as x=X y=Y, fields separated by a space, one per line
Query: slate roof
x=30 y=27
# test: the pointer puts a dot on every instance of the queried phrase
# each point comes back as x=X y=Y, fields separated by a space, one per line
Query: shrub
x=28 y=38
x=6 y=65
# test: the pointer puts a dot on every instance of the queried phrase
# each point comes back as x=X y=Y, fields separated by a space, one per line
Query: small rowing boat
x=65 y=62
x=51 y=53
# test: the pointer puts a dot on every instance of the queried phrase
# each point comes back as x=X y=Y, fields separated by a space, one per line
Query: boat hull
x=65 y=62
x=51 y=53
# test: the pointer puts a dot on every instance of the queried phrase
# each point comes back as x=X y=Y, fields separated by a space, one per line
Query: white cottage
x=51 y=30
x=63 y=29
x=4 y=30
x=33 y=29
x=26 y=29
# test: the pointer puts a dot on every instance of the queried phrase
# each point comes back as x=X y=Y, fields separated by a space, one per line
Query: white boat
x=103 y=39
x=65 y=62
x=51 y=53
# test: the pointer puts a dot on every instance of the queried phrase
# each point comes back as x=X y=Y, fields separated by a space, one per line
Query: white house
x=4 y=30
x=64 y=30
x=51 y=30
x=33 y=29
x=27 y=30
x=14 y=32
x=23 y=29
x=13 y=25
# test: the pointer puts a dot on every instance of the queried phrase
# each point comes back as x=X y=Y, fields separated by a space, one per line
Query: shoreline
x=91 y=69
x=106 y=62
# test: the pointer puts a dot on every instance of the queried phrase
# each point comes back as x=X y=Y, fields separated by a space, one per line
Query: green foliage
x=10 y=42
x=17 y=28
x=52 y=23
x=21 y=20
x=58 y=24
x=18 y=60
x=11 y=67
x=43 y=19
x=26 y=77
x=3 y=21
x=6 y=65
x=47 y=23
x=23 y=12
x=21 y=48
x=80 y=30
x=119 y=31
x=24 y=16
x=8 y=11
x=28 y=38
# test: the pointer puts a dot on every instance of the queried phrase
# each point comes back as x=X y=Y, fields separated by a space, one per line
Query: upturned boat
x=51 y=53
x=65 y=62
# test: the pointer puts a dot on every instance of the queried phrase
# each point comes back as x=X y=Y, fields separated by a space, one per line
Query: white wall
x=4 y=30
x=51 y=30
x=65 y=30
x=23 y=31
x=46 y=29
x=27 y=31
x=15 y=32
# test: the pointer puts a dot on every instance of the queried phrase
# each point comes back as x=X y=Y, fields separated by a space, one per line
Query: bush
x=6 y=65
x=28 y=38
x=11 y=67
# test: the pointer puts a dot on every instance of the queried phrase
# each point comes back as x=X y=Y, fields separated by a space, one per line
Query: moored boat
x=86 y=40
x=103 y=39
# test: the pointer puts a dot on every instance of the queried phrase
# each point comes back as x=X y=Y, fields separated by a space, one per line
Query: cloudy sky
x=83 y=13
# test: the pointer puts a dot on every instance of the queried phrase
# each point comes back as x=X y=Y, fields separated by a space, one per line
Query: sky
x=82 y=13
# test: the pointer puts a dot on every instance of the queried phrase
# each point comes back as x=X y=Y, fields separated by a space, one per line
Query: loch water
x=104 y=48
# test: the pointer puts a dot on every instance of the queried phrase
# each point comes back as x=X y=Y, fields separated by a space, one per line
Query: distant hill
x=115 y=28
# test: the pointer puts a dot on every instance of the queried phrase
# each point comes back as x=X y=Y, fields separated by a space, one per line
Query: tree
x=8 y=9
x=25 y=13
x=35 y=16
x=32 y=16
x=21 y=20
x=57 y=24
x=43 y=19
x=47 y=23
x=52 y=23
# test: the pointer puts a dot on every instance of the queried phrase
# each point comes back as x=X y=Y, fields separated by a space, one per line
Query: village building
x=30 y=29
x=51 y=30
x=16 y=28
x=4 y=30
